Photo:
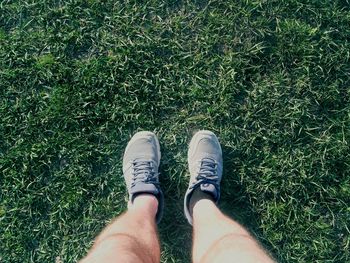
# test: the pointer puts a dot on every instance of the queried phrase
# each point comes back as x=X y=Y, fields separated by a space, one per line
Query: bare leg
x=218 y=238
x=131 y=238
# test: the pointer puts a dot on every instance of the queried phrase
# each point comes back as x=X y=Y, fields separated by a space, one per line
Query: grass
x=78 y=78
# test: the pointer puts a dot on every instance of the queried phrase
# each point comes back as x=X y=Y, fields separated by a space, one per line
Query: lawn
x=270 y=78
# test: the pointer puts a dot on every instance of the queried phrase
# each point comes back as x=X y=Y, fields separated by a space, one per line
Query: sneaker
x=205 y=165
x=140 y=168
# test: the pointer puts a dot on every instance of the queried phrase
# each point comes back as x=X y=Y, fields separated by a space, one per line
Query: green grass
x=78 y=78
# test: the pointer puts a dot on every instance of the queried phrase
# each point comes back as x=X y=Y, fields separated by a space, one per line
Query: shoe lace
x=143 y=171
x=207 y=173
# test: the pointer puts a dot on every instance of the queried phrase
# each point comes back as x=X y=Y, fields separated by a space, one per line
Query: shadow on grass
x=174 y=231
x=234 y=199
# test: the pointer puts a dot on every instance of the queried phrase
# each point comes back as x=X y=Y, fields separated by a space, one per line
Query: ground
x=79 y=78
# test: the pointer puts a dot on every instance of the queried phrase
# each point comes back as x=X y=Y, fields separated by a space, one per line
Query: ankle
x=197 y=196
x=202 y=206
x=147 y=203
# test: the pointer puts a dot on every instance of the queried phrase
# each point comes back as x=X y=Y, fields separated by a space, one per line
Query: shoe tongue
x=144 y=188
x=210 y=189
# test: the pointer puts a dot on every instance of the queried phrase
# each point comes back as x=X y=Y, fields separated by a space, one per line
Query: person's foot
x=140 y=168
x=205 y=165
